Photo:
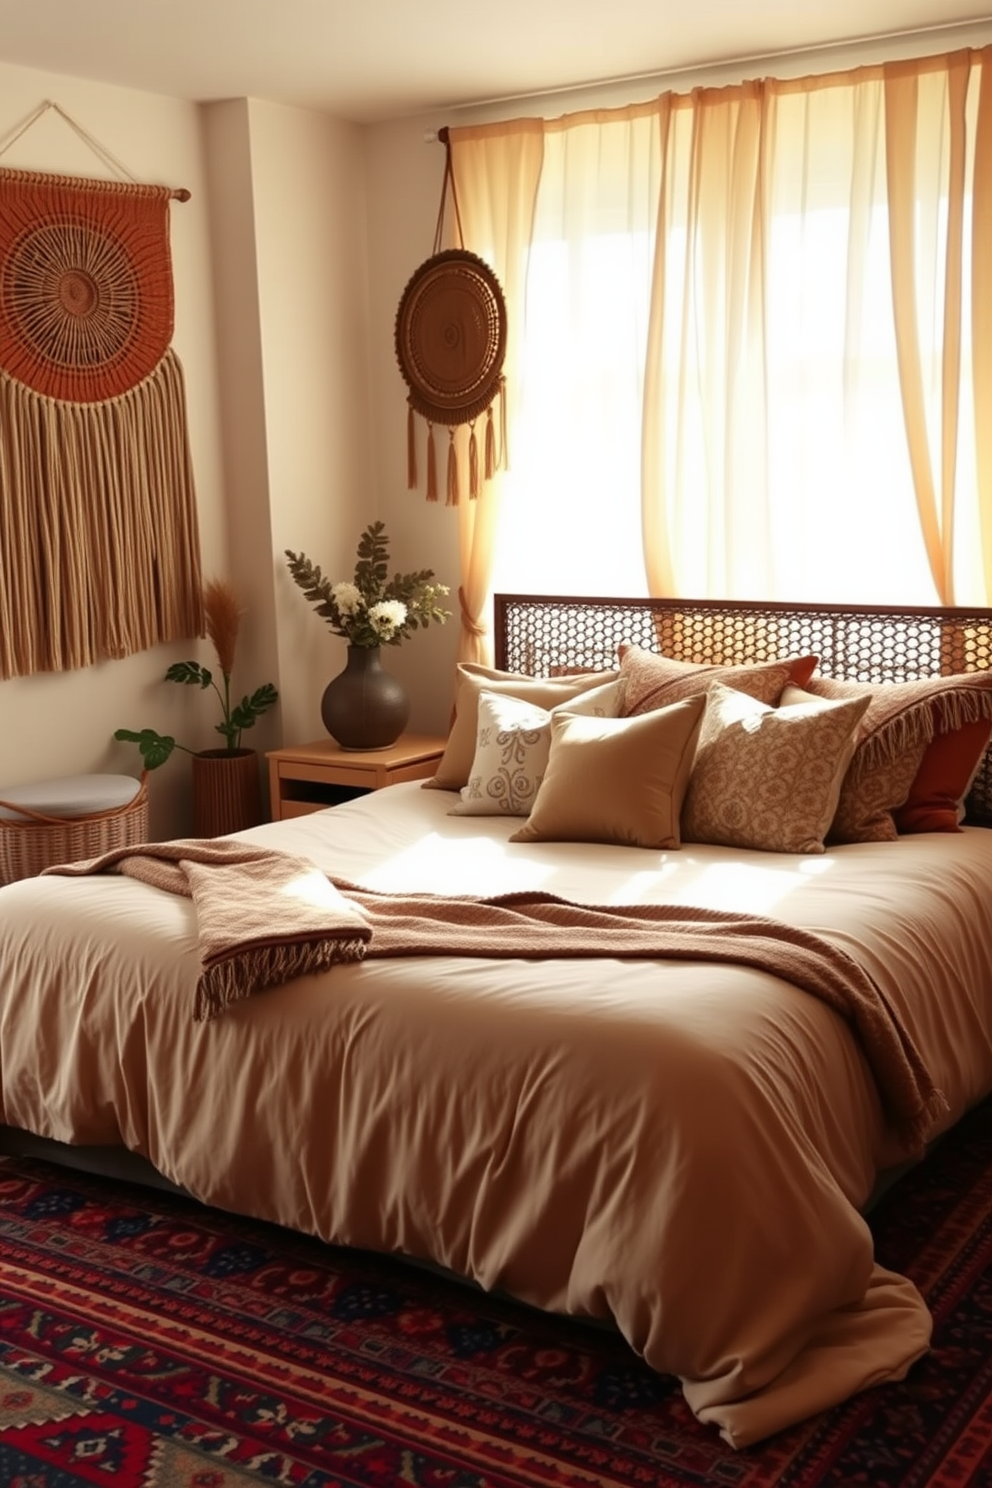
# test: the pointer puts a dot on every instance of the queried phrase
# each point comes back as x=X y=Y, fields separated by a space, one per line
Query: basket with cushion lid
x=60 y=821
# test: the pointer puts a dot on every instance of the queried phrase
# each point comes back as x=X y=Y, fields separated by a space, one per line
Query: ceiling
x=372 y=60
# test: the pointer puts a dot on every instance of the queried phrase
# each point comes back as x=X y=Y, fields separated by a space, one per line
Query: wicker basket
x=26 y=847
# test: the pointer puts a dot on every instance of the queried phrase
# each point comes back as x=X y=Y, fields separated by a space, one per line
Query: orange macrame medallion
x=86 y=299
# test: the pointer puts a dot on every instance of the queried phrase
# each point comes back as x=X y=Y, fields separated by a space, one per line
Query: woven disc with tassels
x=451 y=337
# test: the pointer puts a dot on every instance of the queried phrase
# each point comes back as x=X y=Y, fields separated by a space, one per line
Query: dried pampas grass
x=222 y=615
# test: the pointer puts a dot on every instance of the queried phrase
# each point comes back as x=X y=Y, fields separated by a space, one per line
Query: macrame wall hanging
x=450 y=345
x=99 y=543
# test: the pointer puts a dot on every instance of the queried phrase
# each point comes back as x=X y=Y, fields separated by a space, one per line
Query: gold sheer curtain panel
x=496 y=172
x=755 y=325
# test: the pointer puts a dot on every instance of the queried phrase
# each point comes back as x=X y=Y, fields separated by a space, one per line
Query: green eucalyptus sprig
x=374 y=609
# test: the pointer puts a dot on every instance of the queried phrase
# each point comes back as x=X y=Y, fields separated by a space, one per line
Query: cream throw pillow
x=769 y=778
x=470 y=679
x=617 y=780
x=512 y=747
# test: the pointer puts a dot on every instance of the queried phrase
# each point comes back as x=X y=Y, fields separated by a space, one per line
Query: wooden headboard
x=541 y=634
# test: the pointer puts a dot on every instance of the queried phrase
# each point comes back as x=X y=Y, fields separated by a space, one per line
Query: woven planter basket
x=26 y=847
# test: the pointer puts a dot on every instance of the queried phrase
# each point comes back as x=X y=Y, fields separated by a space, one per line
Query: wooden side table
x=308 y=777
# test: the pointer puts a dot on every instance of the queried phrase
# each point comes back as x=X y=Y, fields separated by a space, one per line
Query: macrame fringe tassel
x=411 y=449
x=454 y=494
x=431 y=465
x=473 y=463
x=257 y=967
x=504 y=456
x=115 y=517
x=490 y=444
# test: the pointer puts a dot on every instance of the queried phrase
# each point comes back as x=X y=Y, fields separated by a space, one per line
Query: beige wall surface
x=289 y=263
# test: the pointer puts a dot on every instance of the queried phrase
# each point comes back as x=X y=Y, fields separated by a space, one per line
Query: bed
x=679 y=1146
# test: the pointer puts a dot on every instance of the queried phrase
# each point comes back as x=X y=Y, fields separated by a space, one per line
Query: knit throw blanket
x=265 y=917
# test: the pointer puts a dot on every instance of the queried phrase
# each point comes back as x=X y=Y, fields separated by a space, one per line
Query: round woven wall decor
x=451 y=337
x=86 y=308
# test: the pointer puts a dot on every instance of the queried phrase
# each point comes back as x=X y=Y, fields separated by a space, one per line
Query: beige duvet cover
x=679 y=1147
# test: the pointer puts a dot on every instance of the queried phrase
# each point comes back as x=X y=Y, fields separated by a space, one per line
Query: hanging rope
x=450 y=345
x=177 y=193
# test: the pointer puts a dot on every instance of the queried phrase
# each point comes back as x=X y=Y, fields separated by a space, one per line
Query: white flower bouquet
x=373 y=609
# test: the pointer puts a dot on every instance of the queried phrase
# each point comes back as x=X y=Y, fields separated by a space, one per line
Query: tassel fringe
x=454 y=493
x=504 y=454
x=493 y=454
x=473 y=463
x=411 y=449
x=431 y=465
x=945 y=710
x=490 y=466
x=112 y=507
x=238 y=976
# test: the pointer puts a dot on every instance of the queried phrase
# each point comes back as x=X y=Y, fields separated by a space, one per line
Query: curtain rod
x=743 y=60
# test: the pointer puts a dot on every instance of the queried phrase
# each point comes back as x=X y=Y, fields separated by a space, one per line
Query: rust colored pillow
x=893 y=739
x=937 y=794
x=649 y=680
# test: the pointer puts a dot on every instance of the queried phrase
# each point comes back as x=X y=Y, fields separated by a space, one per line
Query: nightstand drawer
x=309 y=777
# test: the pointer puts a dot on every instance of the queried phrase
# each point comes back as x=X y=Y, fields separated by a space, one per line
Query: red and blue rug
x=147 y=1342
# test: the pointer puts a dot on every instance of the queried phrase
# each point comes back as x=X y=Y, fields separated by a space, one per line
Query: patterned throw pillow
x=893 y=738
x=470 y=679
x=619 y=780
x=648 y=680
x=512 y=746
x=769 y=778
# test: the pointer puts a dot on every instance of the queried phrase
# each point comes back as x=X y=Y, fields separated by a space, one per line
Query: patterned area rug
x=150 y=1343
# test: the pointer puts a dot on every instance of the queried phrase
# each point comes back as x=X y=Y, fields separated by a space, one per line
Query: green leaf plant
x=222 y=618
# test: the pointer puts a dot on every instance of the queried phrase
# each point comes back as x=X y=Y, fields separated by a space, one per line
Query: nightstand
x=308 y=777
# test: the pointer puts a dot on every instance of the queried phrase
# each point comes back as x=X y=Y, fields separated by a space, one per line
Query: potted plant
x=226 y=784
x=364 y=707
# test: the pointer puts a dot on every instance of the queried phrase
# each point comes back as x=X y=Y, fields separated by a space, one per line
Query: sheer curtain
x=496 y=176
x=755 y=343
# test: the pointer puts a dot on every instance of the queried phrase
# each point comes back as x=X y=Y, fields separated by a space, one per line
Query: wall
x=271 y=311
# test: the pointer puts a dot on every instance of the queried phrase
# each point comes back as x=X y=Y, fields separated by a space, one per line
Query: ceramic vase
x=364 y=707
x=227 y=791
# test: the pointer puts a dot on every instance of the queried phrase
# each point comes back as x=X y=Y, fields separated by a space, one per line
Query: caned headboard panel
x=542 y=634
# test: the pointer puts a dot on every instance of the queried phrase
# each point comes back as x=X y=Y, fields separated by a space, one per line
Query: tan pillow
x=470 y=678
x=512 y=747
x=899 y=724
x=616 y=779
x=769 y=778
x=648 y=680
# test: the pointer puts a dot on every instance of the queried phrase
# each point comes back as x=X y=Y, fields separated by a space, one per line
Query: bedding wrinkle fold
x=674 y=1146
x=265 y=917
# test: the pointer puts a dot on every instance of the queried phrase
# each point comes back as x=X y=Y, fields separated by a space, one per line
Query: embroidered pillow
x=619 y=780
x=893 y=737
x=936 y=800
x=470 y=679
x=648 y=680
x=511 y=751
x=769 y=778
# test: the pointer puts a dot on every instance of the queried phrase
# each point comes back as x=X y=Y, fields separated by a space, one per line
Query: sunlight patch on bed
x=476 y=865
x=746 y=887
